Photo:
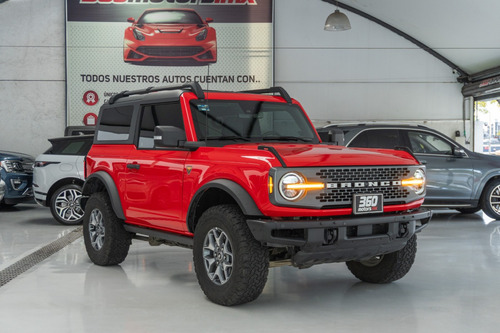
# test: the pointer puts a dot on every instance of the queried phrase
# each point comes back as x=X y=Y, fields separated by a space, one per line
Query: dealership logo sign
x=90 y=98
x=183 y=2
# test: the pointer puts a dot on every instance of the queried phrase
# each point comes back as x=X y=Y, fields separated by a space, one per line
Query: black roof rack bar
x=193 y=86
x=279 y=90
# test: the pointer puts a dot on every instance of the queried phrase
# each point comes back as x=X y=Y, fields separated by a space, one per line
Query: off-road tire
x=388 y=267
x=490 y=200
x=65 y=204
x=106 y=241
x=248 y=259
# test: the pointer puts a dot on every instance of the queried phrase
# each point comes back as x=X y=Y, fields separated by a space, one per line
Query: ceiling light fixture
x=337 y=21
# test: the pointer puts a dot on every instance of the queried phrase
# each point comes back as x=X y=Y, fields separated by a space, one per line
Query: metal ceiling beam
x=463 y=75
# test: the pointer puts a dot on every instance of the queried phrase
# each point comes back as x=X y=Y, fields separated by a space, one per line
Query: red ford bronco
x=243 y=179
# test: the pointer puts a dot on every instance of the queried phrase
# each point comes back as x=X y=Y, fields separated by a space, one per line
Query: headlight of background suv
x=12 y=166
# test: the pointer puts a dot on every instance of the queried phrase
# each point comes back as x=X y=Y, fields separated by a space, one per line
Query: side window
x=79 y=146
x=377 y=138
x=114 y=124
x=166 y=114
x=428 y=143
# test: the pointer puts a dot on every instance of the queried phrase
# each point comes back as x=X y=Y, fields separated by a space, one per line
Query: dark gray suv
x=457 y=178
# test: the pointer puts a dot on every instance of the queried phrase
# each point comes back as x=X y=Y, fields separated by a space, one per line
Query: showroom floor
x=453 y=286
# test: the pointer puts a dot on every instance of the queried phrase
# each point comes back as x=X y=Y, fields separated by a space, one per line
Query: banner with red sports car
x=116 y=45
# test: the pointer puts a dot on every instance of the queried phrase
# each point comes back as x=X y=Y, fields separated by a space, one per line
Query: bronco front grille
x=170 y=51
x=346 y=180
x=342 y=183
x=364 y=174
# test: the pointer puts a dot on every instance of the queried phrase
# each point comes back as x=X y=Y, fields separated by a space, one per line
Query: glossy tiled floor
x=454 y=286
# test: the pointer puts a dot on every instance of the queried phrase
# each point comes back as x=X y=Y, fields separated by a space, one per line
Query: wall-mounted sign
x=90 y=119
x=116 y=45
x=90 y=98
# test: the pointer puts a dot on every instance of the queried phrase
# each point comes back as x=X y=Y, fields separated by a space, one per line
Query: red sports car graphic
x=169 y=35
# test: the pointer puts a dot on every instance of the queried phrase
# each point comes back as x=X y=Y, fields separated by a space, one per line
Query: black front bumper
x=340 y=239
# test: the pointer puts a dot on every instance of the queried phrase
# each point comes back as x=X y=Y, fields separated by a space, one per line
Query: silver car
x=58 y=177
x=457 y=178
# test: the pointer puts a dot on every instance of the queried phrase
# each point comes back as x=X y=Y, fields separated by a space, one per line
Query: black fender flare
x=235 y=190
x=105 y=179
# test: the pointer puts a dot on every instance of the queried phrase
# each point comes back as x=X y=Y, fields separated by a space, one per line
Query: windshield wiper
x=286 y=138
x=227 y=137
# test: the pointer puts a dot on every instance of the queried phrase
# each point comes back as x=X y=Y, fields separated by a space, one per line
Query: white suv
x=58 y=177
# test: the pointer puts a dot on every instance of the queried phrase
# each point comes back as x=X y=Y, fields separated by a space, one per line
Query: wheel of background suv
x=470 y=210
x=388 y=267
x=490 y=200
x=65 y=204
x=106 y=241
x=231 y=266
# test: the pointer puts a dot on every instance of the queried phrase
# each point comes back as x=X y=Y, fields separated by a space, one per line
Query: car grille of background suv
x=170 y=51
x=343 y=196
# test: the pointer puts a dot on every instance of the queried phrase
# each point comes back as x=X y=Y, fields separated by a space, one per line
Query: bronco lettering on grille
x=364 y=184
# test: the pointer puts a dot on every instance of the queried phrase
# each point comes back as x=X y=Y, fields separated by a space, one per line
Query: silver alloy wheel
x=494 y=199
x=218 y=256
x=67 y=205
x=96 y=229
x=373 y=261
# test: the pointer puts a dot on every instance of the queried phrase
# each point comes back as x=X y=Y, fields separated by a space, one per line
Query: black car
x=457 y=178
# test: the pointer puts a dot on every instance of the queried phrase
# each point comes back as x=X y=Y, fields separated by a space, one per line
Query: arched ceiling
x=467 y=33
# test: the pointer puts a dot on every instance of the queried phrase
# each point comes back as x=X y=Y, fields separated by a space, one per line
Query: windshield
x=250 y=121
x=170 y=17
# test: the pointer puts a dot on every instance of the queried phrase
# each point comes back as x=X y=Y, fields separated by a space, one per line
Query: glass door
x=487 y=125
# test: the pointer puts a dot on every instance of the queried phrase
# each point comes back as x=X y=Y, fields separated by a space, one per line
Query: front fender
x=233 y=189
x=478 y=191
x=100 y=181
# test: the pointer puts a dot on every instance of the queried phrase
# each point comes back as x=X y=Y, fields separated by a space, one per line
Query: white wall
x=32 y=74
x=366 y=73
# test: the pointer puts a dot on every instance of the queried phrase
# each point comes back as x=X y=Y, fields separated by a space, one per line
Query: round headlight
x=286 y=186
x=419 y=188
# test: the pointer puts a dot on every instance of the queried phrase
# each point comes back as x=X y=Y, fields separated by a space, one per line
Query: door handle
x=135 y=166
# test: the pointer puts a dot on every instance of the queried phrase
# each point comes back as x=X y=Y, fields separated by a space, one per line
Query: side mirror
x=458 y=152
x=131 y=20
x=209 y=20
x=334 y=136
x=168 y=136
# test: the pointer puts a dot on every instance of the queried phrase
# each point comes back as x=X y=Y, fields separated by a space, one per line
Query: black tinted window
x=250 y=121
x=377 y=138
x=170 y=17
x=168 y=114
x=115 y=123
x=80 y=146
